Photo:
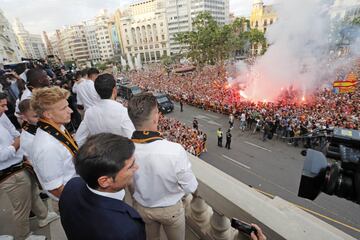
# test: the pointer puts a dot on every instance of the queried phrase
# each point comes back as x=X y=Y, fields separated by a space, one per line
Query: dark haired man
x=107 y=115
x=86 y=92
x=91 y=206
x=36 y=78
x=164 y=175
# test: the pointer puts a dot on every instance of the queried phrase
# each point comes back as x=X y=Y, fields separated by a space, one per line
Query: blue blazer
x=86 y=215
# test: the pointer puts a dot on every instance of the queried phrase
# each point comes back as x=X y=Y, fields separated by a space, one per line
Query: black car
x=164 y=102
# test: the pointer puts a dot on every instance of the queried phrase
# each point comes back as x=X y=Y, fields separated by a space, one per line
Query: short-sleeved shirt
x=52 y=161
x=107 y=116
x=165 y=165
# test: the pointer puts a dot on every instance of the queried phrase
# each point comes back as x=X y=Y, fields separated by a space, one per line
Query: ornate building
x=144 y=31
x=262 y=16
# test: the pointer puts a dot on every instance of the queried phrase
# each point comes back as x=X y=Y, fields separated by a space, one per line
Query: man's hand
x=259 y=235
x=57 y=191
x=16 y=143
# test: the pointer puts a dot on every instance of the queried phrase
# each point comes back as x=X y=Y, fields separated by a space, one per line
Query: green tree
x=210 y=43
x=255 y=36
x=101 y=66
x=206 y=44
x=356 y=21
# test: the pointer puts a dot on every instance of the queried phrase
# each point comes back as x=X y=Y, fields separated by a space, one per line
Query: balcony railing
x=221 y=197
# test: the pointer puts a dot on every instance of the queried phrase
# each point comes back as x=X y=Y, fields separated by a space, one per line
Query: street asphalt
x=272 y=166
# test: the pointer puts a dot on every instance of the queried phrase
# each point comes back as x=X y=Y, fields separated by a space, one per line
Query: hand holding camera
x=252 y=230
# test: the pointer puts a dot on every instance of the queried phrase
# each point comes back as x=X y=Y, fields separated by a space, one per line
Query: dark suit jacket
x=86 y=215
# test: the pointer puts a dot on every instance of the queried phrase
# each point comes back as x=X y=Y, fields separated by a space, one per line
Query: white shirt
x=87 y=94
x=107 y=116
x=243 y=117
x=8 y=154
x=26 y=141
x=23 y=75
x=164 y=174
x=115 y=195
x=52 y=161
x=74 y=90
x=26 y=95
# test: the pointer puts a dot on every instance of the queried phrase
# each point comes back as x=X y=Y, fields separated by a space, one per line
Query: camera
x=243 y=226
x=340 y=177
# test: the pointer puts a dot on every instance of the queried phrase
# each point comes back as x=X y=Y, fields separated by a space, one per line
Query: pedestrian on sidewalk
x=242 y=121
x=231 y=120
x=195 y=124
x=228 y=139
x=181 y=105
x=219 y=134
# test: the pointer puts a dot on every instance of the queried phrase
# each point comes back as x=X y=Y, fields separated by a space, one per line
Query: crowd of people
x=192 y=139
x=209 y=89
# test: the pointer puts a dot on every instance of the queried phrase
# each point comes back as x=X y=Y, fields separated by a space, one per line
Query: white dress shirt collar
x=115 y=195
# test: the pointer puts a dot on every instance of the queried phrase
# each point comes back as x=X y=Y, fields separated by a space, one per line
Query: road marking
x=202 y=117
x=254 y=145
x=209 y=115
x=236 y=162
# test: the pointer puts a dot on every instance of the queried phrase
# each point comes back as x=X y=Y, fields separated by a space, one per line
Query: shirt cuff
x=51 y=185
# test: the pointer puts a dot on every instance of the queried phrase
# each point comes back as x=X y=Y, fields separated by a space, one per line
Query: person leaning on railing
x=164 y=174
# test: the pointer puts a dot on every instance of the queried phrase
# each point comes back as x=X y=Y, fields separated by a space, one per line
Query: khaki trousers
x=22 y=192
x=172 y=219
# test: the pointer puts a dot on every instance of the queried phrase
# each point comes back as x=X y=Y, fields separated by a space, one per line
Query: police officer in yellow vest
x=219 y=134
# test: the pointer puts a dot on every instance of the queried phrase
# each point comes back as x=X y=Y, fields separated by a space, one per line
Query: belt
x=10 y=170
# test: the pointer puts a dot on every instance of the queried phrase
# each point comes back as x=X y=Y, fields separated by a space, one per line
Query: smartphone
x=243 y=227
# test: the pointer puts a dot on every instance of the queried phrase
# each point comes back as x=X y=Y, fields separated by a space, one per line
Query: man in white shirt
x=53 y=148
x=164 y=174
x=85 y=90
x=16 y=183
x=106 y=116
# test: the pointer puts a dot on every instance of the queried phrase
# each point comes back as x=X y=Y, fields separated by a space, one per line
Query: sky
x=48 y=15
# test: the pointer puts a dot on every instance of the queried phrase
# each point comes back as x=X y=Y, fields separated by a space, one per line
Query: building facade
x=181 y=12
x=93 y=47
x=31 y=44
x=144 y=31
x=261 y=18
x=48 y=45
x=103 y=35
x=73 y=44
x=10 y=50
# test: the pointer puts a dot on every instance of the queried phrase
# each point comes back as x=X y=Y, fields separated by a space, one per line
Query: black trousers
x=220 y=141
x=227 y=145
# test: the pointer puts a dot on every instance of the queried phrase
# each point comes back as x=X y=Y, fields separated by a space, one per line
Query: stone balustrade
x=220 y=197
